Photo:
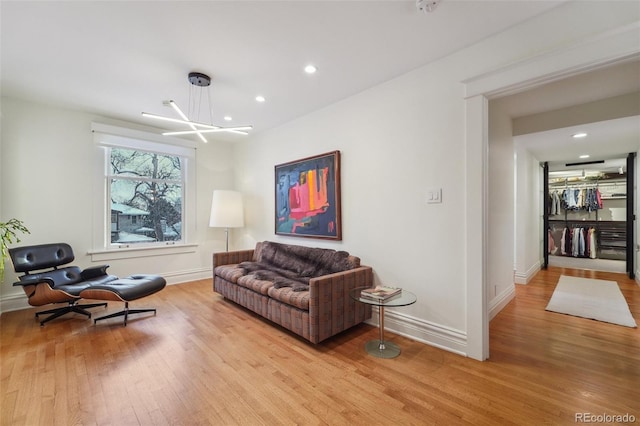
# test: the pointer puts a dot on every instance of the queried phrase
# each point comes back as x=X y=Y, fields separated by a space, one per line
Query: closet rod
x=586 y=184
x=586 y=222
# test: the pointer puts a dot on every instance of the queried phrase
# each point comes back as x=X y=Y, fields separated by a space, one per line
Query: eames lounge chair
x=45 y=282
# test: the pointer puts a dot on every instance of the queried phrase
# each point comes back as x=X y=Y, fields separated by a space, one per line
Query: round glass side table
x=379 y=347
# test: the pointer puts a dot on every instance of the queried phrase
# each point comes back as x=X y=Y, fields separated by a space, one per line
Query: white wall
x=500 y=284
x=528 y=216
x=47 y=181
x=396 y=142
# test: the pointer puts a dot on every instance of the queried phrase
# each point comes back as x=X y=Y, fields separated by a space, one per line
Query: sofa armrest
x=231 y=257
x=331 y=308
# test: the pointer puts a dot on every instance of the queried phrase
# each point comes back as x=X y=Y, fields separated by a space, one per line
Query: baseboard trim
x=501 y=300
x=524 y=278
x=18 y=301
x=14 y=302
x=432 y=334
x=179 y=277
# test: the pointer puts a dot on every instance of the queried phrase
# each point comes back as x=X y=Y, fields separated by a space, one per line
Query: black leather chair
x=46 y=282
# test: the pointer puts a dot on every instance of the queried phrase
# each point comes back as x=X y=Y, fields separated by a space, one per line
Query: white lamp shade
x=226 y=210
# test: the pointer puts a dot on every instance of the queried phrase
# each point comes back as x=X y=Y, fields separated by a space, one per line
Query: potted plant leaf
x=9 y=235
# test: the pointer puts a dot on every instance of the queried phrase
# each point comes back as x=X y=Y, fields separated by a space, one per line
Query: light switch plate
x=434 y=196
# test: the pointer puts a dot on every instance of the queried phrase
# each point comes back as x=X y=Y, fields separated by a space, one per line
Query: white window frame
x=108 y=136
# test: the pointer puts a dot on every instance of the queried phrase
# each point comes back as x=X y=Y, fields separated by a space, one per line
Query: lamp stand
x=226 y=231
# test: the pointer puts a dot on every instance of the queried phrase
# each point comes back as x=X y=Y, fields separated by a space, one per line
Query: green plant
x=9 y=235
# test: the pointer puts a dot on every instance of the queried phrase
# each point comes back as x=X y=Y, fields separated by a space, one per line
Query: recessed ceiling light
x=310 y=69
x=579 y=135
x=227 y=118
x=584 y=156
x=260 y=98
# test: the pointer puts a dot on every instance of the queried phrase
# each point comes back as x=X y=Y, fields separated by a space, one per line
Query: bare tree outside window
x=146 y=196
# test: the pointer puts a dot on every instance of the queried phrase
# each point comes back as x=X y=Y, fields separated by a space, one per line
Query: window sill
x=133 y=252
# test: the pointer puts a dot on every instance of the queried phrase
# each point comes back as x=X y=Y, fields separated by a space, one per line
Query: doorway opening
x=585 y=210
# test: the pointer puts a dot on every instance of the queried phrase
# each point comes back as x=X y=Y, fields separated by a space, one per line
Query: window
x=145 y=189
x=147 y=199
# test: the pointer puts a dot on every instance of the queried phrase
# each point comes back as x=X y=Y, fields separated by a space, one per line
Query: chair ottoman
x=126 y=290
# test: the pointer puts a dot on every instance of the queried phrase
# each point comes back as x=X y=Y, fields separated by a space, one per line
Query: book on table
x=380 y=292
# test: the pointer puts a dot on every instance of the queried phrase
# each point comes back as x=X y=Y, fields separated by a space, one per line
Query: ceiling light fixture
x=579 y=135
x=237 y=129
x=584 y=163
x=427 y=6
x=584 y=156
x=260 y=98
x=198 y=82
x=310 y=69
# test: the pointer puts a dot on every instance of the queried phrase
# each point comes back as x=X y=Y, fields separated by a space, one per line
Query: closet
x=588 y=212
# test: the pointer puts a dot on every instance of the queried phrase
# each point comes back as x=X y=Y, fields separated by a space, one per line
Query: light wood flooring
x=203 y=360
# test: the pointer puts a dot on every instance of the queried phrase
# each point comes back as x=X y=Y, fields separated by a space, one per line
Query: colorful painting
x=308 y=197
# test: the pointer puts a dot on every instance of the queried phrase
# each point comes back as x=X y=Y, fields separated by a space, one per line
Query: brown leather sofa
x=305 y=290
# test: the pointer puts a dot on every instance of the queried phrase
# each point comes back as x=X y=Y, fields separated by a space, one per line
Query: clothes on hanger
x=576 y=242
x=592 y=243
x=575 y=199
x=555 y=203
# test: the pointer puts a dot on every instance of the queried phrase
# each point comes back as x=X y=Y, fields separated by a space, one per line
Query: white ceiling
x=119 y=58
x=607 y=138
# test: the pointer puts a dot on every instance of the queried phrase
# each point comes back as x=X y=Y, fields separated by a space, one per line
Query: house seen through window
x=146 y=193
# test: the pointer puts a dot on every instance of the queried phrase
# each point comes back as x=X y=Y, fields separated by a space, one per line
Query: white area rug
x=594 y=299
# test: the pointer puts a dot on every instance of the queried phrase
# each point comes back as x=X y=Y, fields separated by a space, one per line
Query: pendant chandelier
x=199 y=83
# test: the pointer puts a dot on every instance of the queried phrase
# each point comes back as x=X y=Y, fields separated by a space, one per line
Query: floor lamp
x=226 y=211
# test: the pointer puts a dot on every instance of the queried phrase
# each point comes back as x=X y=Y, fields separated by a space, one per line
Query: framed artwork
x=308 y=197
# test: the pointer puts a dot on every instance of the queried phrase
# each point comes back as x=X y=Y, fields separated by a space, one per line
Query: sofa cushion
x=353 y=261
x=229 y=272
x=278 y=276
x=252 y=282
x=299 y=299
x=257 y=251
x=304 y=261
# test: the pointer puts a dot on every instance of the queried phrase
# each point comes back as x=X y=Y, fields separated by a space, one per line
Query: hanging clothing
x=593 y=200
x=592 y=243
x=569 y=199
x=555 y=203
x=575 y=242
x=580 y=198
x=574 y=199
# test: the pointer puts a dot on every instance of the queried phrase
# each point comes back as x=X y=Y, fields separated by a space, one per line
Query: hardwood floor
x=203 y=360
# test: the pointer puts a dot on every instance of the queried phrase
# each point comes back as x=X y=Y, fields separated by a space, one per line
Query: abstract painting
x=308 y=197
